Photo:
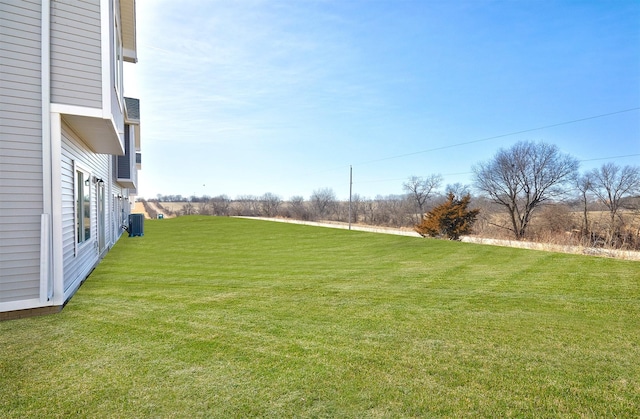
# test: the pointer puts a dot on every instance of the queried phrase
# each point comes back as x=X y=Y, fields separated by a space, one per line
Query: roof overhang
x=99 y=134
x=128 y=22
x=127 y=183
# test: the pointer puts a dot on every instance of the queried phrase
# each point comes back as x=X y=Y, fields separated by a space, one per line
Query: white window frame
x=118 y=54
x=82 y=210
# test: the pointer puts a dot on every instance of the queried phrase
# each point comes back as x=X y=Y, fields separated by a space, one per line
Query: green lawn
x=222 y=317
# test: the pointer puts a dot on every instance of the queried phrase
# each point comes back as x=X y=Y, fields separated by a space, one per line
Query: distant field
x=225 y=317
x=174 y=206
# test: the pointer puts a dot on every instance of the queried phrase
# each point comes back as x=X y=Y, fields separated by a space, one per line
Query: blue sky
x=246 y=97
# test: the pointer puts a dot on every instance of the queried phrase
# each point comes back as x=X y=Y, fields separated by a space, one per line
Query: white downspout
x=46 y=271
x=51 y=273
x=56 y=210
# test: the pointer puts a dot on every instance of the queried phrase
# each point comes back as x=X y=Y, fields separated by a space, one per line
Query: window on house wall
x=117 y=51
x=83 y=205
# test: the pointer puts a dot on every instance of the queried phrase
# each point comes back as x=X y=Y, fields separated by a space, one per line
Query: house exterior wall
x=58 y=106
x=79 y=259
x=113 y=86
x=76 y=60
x=120 y=211
x=21 y=153
x=121 y=208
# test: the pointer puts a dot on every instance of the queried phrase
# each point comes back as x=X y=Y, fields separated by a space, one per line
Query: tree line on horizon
x=528 y=191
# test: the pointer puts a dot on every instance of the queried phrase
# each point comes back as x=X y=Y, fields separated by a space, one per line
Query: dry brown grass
x=559 y=226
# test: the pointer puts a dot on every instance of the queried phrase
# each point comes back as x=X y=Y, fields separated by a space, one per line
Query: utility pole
x=350 y=189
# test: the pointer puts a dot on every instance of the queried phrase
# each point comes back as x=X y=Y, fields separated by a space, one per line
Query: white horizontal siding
x=68 y=202
x=17 y=225
x=76 y=60
x=20 y=161
x=11 y=173
x=80 y=15
x=23 y=18
x=22 y=42
x=17 y=62
x=20 y=151
x=19 y=242
x=20 y=291
x=23 y=10
x=14 y=145
x=25 y=202
x=119 y=211
x=11 y=132
x=76 y=266
x=21 y=107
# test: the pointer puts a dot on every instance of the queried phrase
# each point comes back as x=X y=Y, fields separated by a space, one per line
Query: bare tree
x=247 y=205
x=584 y=183
x=188 y=209
x=323 y=200
x=524 y=177
x=611 y=183
x=356 y=207
x=368 y=211
x=383 y=210
x=269 y=204
x=204 y=208
x=458 y=190
x=220 y=205
x=297 y=208
x=390 y=210
x=420 y=189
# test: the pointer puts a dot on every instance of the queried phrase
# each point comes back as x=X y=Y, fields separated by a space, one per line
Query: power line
x=469 y=173
x=405 y=178
x=501 y=136
x=610 y=158
x=481 y=140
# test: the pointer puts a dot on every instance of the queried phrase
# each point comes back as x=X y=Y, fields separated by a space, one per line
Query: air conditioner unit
x=136 y=225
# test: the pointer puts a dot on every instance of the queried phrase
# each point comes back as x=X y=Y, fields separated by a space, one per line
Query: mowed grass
x=222 y=317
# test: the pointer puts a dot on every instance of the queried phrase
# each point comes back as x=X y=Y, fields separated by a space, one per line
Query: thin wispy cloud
x=311 y=85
